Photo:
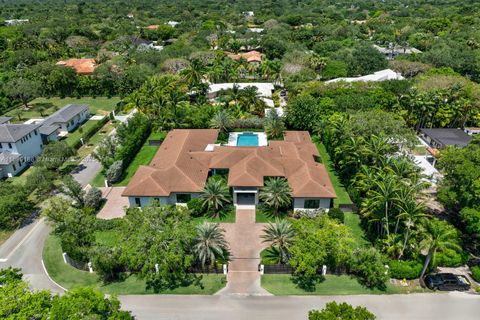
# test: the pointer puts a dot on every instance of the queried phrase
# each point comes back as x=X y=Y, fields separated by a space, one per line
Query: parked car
x=447 y=282
x=283 y=93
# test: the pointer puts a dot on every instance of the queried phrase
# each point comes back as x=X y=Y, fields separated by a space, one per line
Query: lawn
x=265 y=216
x=4 y=235
x=69 y=277
x=143 y=157
x=99 y=105
x=72 y=137
x=227 y=217
x=342 y=195
x=87 y=149
x=281 y=285
x=352 y=220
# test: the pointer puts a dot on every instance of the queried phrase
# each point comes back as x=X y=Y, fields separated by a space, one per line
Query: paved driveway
x=86 y=170
x=245 y=243
x=115 y=205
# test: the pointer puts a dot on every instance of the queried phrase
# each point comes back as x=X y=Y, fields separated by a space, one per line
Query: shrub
x=337 y=214
x=405 y=269
x=310 y=214
x=367 y=265
x=107 y=264
x=114 y=173
x=250 y=123
x=196 y=207
x=341 y=311
x=476 y=273
x=77 y=143
x=132 y=136
x=93 y=198
x=450 y=258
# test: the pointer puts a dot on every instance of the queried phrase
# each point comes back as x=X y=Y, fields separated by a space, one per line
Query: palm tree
x=276 y=193
x=274 y=125
x=210 y=244
x=222 y=121
x=280 y=235
x=438 y=236
x=215 y=195
x=250 y=102
x=193 y=74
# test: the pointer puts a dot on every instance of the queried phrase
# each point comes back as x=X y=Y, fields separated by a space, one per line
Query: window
x=137 y=202
x=312 y=204
x=10 y=145
x=183 y=197
x=36 y=132
x=14 y=168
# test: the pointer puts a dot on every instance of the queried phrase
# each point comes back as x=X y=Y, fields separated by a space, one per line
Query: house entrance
x=246 y=199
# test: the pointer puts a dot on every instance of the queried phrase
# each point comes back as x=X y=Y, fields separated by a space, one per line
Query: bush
x=132 y=136
x=250 y=123
x=340 y=311
x=107 y=264
x=476 y=273
x=337 y=214
x=405 y=269
x=367 y=265
x=114 y=172
x=450 y=258
x=196 y=207
x=54 y=155
x=93 y=198
x=77 y=143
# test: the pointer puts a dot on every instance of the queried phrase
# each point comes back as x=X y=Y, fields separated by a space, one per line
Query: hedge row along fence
x=87 y=134
x=129 y=149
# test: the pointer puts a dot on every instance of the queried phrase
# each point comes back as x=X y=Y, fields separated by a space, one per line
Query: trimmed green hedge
x=405 y=269
x=476 y=273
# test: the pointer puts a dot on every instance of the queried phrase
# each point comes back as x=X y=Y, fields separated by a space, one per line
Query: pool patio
x=233 y=138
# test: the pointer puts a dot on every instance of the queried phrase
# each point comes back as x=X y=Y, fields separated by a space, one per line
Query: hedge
x=476 y=273
x=405 y=269
x=134 y=142
x=77 y=143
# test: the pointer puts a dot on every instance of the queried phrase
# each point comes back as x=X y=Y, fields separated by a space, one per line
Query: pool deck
x=262 y=138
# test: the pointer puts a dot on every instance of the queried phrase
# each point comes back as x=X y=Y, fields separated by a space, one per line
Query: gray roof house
x=65 y=119
x=442 y=137
x=15 y=132
x=4 y=120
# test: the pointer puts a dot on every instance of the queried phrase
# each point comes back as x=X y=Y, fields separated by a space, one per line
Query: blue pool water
x=247 y=139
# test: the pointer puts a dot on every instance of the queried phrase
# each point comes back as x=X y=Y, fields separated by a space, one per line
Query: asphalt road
x=446 y=306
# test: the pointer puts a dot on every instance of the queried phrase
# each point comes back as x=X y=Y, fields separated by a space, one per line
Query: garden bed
x=69 y=277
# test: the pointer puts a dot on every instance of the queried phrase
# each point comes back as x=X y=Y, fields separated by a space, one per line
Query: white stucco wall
x=29 y=149
x=9 y=171
x=299 y=203
x=172 y=199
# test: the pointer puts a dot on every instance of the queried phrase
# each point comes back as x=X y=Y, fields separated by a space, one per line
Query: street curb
x=50 y=278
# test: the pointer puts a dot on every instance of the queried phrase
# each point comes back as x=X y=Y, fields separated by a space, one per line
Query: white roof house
x=382 y=75
x=173 y=23
x=257 y=30
x=264 y=89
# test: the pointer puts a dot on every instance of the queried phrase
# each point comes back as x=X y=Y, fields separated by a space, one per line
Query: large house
x=187 y=158
x=20 y=144
x=63 y=121
x=439 y=138
x=382 y=75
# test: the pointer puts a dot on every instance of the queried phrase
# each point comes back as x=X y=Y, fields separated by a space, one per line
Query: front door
x=246 y=199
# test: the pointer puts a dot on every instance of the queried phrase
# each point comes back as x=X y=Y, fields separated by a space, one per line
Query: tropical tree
x=250 y=102
x=215 y=195
x=210 y=244
x=274 y=125
x=222 y=121
x=276 y=193
x=341 y=311
x=194 y=73
x=438 y=236
x=280 y=235
x=74 y=190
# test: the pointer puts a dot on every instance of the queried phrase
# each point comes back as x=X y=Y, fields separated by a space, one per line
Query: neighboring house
x=383 y=75
x=20 y=144
x=15 y=22
x=64 y=120
x=264 y=89
x=440 y=138
x=395 y=51
x=142 y=44
x=173 y=23
x=253 y=56
x=152 y=27
x=4 y=120
x=256 y=30
x=186 y=159
x=81 y=66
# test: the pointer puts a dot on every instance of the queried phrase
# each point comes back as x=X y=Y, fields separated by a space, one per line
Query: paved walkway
x=115 y=205
x=86 y=170
x=245 y=243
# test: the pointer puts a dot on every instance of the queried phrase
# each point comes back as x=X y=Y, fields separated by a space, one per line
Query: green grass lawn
x=87 y=149
x=143 y=157
x=342 y=195
x=282 y=284
x=108 y=238
x=228 y=217
x=78 y=133
x=99 y=105
x=352 y=220
x=264 y=216
x=4 y=235
x=69 y=277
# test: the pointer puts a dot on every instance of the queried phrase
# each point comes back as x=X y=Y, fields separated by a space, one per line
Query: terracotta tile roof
x=152 y=27
x=81 y=66
x=250 y=56
x=182 y=165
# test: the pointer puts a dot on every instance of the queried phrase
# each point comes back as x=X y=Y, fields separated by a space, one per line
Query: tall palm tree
x=280 y=235
x=438 y=236
x=274 y=125
x=210 y=244
x=250 y=102
x=276 y=193
x=215 y=195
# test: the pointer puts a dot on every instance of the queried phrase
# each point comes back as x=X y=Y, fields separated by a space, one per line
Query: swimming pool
x=247 y=139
